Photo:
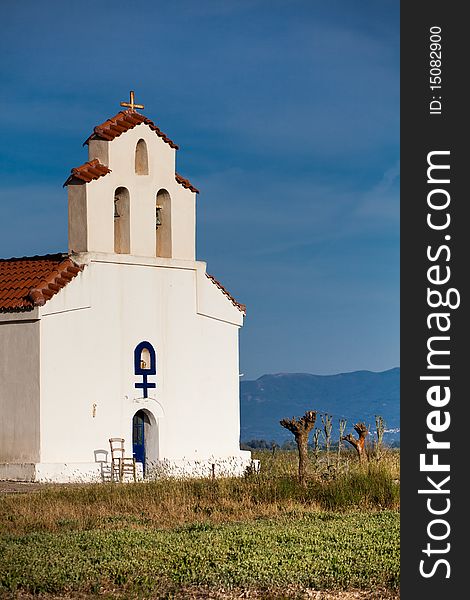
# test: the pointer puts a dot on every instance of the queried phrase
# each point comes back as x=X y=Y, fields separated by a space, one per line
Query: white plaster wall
x=15 y=471
x=88 y=359
x=143 y=190
x=19 y=390
x=183 y=224
x=99 y=149
x=77 y=218
x=216 y=411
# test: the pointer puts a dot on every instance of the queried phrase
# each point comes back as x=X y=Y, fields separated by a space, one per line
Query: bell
x=116 y=213
x=158 y=217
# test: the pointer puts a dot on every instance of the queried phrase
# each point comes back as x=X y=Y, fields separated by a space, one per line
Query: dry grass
x=170 y=503
x=282 y=462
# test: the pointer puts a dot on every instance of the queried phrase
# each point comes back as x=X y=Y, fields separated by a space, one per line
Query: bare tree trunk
x=342 y=427
x=301 y=429
x=380 y=430
x=327 y=421
x=358 y=443
x=302 y=445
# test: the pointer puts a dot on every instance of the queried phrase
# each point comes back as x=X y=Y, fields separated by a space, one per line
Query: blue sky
x=287 y=117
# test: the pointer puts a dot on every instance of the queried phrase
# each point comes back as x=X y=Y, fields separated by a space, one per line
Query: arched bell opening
x=163 y=224
x=122 y=236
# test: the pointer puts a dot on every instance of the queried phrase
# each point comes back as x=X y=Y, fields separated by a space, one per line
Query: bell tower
x=127 y=198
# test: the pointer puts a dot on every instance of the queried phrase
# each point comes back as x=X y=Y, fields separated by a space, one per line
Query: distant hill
x=356 y=396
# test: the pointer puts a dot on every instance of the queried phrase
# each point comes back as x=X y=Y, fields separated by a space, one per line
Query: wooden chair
x=120 y=465
x=128 y=468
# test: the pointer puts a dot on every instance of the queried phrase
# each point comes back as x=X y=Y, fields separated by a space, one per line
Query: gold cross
x=131 y=104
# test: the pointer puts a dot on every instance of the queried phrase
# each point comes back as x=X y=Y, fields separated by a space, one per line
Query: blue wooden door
x=138 y=437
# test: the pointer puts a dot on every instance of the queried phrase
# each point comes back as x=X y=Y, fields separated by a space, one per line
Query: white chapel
x=126 y=336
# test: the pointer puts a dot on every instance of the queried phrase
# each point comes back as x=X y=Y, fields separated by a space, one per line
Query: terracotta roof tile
x=30 y=281
x=241 y=307
x=122 y=122
x=87 y=172
x=186 y=183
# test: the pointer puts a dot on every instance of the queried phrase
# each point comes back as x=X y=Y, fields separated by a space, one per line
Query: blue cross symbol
x=140 y=368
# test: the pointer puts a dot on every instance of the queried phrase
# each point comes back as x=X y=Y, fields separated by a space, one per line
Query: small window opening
x=145 y=359
x=141 y=158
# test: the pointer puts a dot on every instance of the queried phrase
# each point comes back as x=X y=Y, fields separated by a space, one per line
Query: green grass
x=321 y=550
x=160 y=539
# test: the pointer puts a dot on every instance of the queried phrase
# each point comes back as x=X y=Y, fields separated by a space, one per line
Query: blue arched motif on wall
x=145 y=370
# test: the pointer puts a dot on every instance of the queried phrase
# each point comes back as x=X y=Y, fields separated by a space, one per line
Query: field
x=262 y=536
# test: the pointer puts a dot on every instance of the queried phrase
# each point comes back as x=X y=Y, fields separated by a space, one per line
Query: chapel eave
x=227 y=294
x=186 y=183
x=89 y=171
x=31 y=281
x=124 y=121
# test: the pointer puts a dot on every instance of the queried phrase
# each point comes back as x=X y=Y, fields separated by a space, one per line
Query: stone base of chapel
x=98 y=472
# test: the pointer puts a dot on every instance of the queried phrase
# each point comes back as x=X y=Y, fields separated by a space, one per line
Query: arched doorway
x=144 y=439
x=138 y=436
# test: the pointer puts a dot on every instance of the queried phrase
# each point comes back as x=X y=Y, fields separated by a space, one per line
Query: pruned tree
x=316 y=443
x=301 y=428
x=327 y=421
x=342 y=427
x=380 y=430
x=359 y=443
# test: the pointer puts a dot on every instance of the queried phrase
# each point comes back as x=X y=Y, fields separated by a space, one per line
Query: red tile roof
x=32 y=280
x=186 y=183
x=122 y=122
x=241 y=307
x=91 y=170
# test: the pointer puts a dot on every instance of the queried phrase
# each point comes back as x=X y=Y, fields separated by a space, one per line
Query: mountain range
x=357 y=397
